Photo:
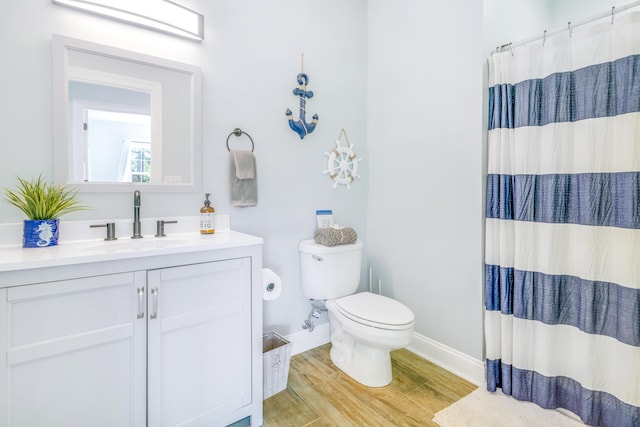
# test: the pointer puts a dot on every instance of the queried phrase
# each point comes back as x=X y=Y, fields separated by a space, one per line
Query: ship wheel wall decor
x=342 y=163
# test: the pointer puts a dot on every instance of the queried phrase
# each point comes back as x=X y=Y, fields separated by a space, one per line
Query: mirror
x=124 y=120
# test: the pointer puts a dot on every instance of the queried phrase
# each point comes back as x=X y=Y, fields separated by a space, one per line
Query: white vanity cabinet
x=163 y=340
x=199 y=342
x=74 y=353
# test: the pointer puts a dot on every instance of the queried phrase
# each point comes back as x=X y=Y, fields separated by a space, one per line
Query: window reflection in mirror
x=113 y=140
x=104 y=121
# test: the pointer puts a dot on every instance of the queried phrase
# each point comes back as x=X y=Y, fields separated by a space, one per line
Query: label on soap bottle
x=206 y=223
x=206 y=217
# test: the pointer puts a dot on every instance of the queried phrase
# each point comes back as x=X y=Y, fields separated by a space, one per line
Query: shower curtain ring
x=570 y=29
x=613 y=13
x=544 y=37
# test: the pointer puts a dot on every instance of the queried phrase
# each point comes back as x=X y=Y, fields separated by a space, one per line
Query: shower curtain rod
x=571 y=26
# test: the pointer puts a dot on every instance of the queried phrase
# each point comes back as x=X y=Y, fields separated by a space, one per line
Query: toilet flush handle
x=317 y=258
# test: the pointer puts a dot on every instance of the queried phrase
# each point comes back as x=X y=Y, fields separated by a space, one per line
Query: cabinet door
x=73 y=353
x=199 y=343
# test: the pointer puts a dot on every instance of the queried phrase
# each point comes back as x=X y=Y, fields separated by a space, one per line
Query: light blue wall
x=404 y=78
x=508 y=21
x=561 y=12
x=250 y=58
x=425 y=144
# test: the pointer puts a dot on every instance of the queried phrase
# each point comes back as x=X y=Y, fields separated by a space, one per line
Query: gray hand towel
x=243 y=180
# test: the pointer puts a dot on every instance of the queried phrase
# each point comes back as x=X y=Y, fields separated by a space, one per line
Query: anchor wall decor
x=301 y=127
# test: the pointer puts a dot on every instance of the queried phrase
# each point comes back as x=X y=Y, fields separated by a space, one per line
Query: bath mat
x=484 y=409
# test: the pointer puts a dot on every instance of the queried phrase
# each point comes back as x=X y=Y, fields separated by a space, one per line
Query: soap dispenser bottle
x=206 y=217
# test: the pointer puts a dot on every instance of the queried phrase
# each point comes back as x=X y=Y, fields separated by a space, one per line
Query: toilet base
x=364 y=352
x=368 y=365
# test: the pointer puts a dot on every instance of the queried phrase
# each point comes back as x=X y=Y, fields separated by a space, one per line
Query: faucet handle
x=160 y=227
x=111 y=230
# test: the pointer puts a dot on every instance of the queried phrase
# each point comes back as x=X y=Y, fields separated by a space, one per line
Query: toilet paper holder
x=271 y=285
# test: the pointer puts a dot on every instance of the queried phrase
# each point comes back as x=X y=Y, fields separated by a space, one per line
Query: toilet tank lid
x=376 y=308
x=311 y=247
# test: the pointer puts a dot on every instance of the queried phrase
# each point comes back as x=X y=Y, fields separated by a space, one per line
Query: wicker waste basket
x=276 y=356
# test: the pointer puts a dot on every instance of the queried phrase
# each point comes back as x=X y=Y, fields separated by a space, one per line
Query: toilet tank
x=329 y=272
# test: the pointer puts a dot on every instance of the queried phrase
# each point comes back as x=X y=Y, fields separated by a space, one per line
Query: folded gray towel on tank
x=243 y=179
x=335 y=235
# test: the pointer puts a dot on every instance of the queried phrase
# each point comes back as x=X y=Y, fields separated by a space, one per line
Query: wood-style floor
x=319 y=394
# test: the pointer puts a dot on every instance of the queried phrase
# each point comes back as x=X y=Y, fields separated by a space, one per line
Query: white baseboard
x=452 y=360
x=305 y=340
x=461 y=364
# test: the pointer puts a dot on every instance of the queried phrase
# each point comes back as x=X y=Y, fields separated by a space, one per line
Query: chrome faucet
x=136 y=215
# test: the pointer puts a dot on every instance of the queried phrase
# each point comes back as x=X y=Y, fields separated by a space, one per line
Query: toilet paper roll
x=271 y=285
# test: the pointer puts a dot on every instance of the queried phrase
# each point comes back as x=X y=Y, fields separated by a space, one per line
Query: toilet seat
x=364 y=307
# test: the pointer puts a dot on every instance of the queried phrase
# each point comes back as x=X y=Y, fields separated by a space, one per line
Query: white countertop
x=15 y=257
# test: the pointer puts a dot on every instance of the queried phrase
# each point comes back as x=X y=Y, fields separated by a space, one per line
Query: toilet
x=365 y=327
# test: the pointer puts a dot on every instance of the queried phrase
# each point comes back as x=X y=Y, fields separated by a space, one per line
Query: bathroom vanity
x=154 y=331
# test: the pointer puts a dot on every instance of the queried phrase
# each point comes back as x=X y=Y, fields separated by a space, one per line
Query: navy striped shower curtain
x=562 y=267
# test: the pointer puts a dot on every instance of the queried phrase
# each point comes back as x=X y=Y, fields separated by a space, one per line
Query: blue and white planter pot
x=40 y=233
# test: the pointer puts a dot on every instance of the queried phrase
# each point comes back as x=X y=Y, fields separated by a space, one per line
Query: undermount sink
x=136 y=245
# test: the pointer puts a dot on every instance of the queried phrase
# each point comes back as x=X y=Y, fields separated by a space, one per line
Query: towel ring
x=238 y=132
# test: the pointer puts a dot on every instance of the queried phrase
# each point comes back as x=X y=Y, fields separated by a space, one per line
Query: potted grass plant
x=43 y=203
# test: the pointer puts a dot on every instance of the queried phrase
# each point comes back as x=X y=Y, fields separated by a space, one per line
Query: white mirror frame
x=61 y=139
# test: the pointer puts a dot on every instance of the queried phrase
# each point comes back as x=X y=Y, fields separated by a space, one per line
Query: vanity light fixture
x=160 y=15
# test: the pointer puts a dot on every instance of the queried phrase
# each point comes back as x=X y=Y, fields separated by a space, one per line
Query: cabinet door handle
x=154 y=294
x=140 y=303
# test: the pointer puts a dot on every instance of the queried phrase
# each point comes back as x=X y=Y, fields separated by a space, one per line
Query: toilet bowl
x=365 y=327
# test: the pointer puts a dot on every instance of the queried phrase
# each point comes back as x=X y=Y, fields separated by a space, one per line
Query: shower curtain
x=562 y=266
